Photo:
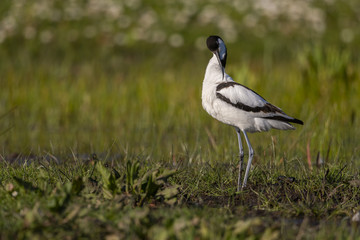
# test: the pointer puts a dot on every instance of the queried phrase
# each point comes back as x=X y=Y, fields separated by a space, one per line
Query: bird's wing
x=244 y=98
x=247 y=100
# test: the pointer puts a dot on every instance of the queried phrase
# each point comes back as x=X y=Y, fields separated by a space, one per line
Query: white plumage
x=237 y=105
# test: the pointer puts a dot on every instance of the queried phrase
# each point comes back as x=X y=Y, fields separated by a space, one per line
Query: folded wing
x=247 y=100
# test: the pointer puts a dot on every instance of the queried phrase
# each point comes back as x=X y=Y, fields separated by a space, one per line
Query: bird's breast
x=208 y=97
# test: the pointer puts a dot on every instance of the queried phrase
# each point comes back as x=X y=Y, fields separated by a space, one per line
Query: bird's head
x=217 y=46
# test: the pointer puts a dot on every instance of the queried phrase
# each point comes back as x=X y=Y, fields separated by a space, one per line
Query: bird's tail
x=280 y=125
x=278 y=122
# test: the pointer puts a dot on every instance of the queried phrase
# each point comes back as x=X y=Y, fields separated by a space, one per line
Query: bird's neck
x=213 y=72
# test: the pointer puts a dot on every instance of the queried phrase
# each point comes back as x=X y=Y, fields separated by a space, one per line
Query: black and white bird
x=236 y=105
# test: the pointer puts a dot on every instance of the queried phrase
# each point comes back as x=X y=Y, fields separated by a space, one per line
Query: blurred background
x=126 y=76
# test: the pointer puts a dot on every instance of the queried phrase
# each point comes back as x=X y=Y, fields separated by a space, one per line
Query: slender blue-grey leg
x=241 y=150
x=251 y=154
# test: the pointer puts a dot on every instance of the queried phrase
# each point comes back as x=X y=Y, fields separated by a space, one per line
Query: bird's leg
x=251 y=154
x=241 y=150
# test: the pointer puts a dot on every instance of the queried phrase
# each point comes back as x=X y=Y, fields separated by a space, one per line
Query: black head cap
x=212 y=43
x=217 y=46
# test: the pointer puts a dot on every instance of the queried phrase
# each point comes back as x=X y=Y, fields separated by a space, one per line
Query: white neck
x=213 y=73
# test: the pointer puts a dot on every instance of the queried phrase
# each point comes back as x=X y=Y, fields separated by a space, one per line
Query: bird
x=237 y=105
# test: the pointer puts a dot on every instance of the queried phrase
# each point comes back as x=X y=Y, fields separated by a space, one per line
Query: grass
x=101 y=141
x=87 y=199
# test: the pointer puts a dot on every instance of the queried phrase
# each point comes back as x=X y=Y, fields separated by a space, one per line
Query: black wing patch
x=267 y=108
x=284 y=119
x=231 y=84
